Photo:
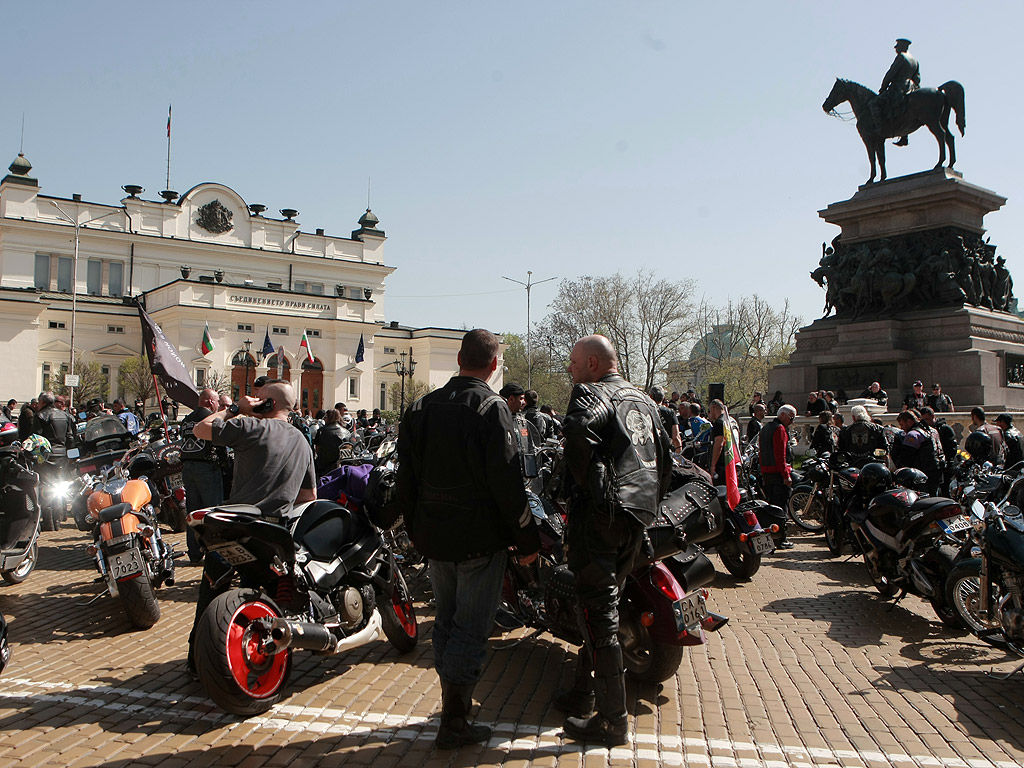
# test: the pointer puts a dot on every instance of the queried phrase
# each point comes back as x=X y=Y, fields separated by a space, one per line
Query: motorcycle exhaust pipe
x=306 y=635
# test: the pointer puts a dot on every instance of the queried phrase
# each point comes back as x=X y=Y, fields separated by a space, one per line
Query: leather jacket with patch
x=57 y=427
x=616 y=447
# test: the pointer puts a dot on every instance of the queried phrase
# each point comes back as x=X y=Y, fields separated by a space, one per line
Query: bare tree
x=550 y=379
x=219 y=381
x=414 y=390
x=135 y=379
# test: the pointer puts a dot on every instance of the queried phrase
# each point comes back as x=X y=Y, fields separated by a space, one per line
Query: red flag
x=732 y=458
x=168 y=121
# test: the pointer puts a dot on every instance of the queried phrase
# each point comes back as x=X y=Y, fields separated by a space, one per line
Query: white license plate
x=762 y=544
x=689 y=611
x=235 y=554
x=956 y=524
x=174 y=481
x=125 y=564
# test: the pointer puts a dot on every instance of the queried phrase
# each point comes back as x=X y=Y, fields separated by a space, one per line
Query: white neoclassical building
x=202 y=259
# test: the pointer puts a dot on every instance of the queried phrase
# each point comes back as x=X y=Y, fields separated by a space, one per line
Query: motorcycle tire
x=742 y=565
x=173 y=514
x=835 y=535
x=942 y=561
x=138 y=599
x=24 y=568
x=398 y=616
x=232 y=669
x=813 y=519
x=882 y=583
x=48 y=520
x=644 y=659
x=963 y=591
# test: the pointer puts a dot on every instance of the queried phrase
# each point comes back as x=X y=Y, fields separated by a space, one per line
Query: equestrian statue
x=900 y=108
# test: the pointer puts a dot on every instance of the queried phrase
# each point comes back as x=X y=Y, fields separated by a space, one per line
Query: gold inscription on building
x=269 y=301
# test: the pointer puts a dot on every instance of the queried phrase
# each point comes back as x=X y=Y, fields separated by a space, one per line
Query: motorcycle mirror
x=74 y=453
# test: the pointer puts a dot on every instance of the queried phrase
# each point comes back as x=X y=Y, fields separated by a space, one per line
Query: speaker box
x=716 y=392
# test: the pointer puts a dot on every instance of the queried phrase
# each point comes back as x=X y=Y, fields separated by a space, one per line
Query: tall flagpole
x=168 y=147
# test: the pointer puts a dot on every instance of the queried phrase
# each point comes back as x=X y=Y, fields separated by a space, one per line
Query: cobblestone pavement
x=813 y=669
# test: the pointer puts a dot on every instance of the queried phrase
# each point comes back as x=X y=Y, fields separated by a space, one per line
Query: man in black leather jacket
x=55 y=425
x=618 y=455
x=461 y=491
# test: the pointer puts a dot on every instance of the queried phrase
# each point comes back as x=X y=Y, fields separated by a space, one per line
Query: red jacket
x=773 y=442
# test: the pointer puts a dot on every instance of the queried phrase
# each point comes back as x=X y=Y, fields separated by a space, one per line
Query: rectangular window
x=299 y=286
x=278 y=330
x=59 y=324
x=353 y=387
x=200 y=378
x=46 y=376
x=383 y=396
x=64 y=274
x=115 y=329
x=317 y=288
x=42 y=279
x=93 y=277
x=115 y=284
x=389 y=350
x=245 y=327
x=313 y=333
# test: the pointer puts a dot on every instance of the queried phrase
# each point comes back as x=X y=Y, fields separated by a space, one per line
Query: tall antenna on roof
x=367 y=193
x=21 y=150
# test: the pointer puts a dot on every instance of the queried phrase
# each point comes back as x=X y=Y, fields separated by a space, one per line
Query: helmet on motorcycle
x=911 y=478
x=874 y=478
x=142 y=464
x=8 y=433
x=38 y=447
x=979 y=445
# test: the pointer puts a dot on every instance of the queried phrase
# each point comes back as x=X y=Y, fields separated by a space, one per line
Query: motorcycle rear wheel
x=398 y=616
x=644 y=659
x=813 y=519
x=232 y=667
x=963 y=595
x=742 y=565
x=139 y=601
x=173 y=514
x=48 y=518
x=24 y=568
x=942 y=560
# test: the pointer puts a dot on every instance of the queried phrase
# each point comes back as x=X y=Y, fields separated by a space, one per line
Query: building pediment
x=57 y=345
x=116 y=350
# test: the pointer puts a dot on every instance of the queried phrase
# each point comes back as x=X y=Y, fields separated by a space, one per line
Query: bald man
x=273 y=467
x=612 y=430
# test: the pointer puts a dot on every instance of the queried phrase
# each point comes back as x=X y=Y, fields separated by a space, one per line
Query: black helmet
x=979 y=445
x=874 y=478
x=911 y=478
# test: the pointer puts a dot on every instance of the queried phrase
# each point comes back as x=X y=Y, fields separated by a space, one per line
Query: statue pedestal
x=914 y=300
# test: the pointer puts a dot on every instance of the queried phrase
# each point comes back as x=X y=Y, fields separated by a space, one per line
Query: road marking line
x=542 y=741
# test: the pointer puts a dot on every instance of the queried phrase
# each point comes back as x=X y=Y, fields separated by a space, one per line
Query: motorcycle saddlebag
x=692 y=568
x=693 y=510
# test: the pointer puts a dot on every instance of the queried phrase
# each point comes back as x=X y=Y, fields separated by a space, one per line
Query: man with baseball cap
x=915 y=399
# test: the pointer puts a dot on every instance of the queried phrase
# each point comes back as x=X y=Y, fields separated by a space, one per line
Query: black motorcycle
x=834 y=498
x=20 y=515
x=321 y=580
x=909 y=542
x=986 y=587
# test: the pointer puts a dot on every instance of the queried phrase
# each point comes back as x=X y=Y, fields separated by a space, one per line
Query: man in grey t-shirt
x=273 y=465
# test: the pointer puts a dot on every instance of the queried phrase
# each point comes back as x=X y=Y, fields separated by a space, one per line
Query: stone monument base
x=977 y=355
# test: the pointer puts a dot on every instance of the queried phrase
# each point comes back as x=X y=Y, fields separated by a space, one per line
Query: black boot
x=608 y=725
x=574 y=702
x=456 y=730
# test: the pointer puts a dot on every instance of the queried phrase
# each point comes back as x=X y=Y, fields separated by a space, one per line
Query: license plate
x=125 y=564
x=174 y=481
x=956 y=524
x=689 y=611
x=762 y=544
x=235 y=554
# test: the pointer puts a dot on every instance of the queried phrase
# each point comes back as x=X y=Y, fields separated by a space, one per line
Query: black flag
x=165 y=362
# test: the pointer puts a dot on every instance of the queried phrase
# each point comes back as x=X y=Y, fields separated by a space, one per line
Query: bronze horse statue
x=928 y=107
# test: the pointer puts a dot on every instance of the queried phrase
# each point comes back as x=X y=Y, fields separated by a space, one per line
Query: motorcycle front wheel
x=835 y=533
x=24 y=568
x=941 y=561
x=398 y=616
x=806 y=509
x=882 y=582
x=644 y=659
x=139 y=601
x=49 y=521
x=963 y=595
x=234 y=669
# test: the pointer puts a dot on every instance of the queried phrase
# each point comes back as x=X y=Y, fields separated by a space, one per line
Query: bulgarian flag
x=206 y=347
x=304 y=344
x=731 y=457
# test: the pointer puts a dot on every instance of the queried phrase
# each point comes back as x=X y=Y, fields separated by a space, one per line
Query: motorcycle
x=833 y=499
x=160 y=461
x=909 y=542
x=103 y=442
x=321 y=580
x=663 y=606
x=127 y=548
x=985 y=587
x=20 y=513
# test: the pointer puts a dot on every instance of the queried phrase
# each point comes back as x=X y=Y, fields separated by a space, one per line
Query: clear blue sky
x=566 y=138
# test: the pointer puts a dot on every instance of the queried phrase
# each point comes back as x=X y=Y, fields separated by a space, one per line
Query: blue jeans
x=466 y=596
x=204 y=487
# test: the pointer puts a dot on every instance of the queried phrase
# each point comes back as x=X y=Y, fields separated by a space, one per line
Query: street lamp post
x=403 y=370
x=529 y=353
x=74 y=289
x=248 y=346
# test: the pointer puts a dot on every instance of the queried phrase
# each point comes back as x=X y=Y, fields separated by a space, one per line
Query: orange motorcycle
x=129 y=551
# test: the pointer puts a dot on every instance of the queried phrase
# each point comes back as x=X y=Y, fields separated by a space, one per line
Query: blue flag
x=268 y=348
x=360 y=349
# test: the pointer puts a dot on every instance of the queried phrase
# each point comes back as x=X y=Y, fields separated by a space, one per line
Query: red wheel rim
x=257 y=673
x=405 y=612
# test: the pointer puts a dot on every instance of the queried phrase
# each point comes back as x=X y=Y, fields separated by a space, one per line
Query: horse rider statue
x=904 y=76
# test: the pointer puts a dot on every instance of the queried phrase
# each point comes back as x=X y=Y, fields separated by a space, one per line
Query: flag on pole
x=731 y=458
x=304 y=344
x=166 y=363
x=168 y=121
x=268 y=348
x=360 y=349
x=206 y=347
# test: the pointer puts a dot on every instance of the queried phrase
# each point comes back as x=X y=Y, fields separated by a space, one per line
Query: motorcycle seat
x=239 y=509
x=115 y=512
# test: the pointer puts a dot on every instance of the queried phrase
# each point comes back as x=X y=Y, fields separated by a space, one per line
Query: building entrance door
x=312 y=386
